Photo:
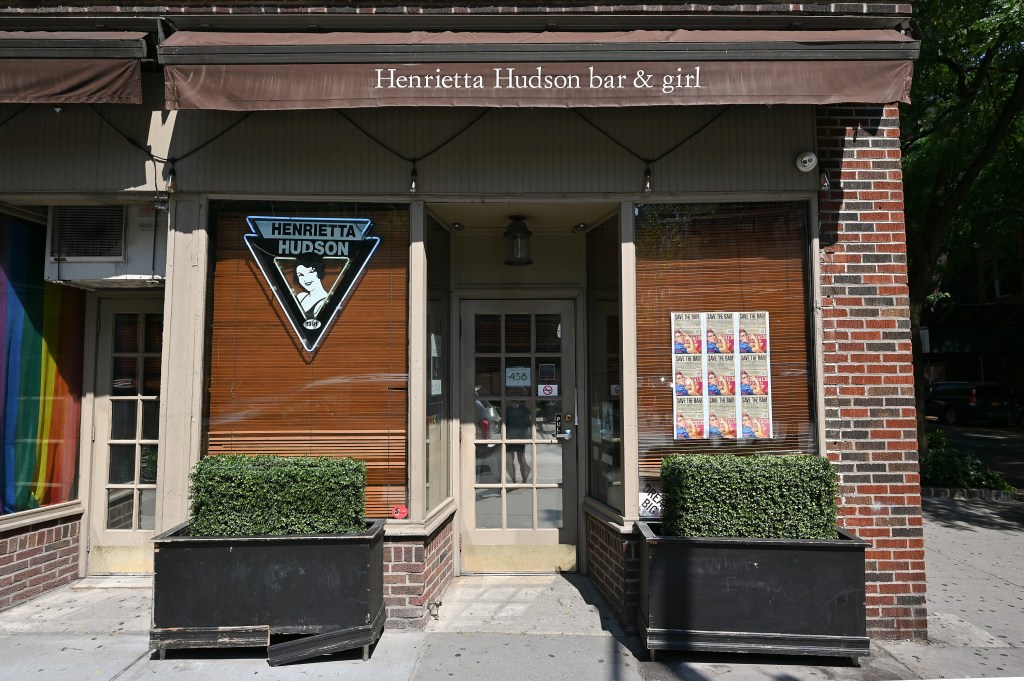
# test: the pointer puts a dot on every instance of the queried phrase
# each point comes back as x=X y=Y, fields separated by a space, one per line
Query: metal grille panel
x=87 y=231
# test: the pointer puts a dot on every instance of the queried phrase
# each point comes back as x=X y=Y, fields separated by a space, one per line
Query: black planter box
x=214 y=592
x=778 y=596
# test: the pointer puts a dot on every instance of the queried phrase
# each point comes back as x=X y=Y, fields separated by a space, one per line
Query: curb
x=971 y=494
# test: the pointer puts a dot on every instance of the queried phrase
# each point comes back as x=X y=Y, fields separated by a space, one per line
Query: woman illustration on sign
x=748 y=427
x=750 y=385
x=686 y=429
x=678 y=346
x=753 y=428
x=684 y=385
x=309 y=272
x=714 y=386
x=716 y=429
x=749 y=343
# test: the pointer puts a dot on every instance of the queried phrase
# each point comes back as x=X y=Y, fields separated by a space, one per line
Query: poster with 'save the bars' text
x=721 y=375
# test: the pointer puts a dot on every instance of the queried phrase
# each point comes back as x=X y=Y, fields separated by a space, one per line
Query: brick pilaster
x=613 y=565
x=416 y=572
x=870 y=419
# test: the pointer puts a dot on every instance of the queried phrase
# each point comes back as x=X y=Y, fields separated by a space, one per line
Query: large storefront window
x=604 y=429
x=723 y=329
x=309 y=339
x=438 y=452
x=40 y=375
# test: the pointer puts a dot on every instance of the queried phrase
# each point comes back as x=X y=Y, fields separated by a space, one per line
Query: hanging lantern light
x=517 y=242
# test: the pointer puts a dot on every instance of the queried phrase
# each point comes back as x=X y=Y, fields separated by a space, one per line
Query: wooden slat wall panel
x=736 y=258
x=74 y=150
x=509 y=151
x=267 y=396
x=748 y=148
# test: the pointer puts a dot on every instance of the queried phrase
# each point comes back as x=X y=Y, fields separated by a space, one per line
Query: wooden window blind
x=267 y=396
x=739 y=257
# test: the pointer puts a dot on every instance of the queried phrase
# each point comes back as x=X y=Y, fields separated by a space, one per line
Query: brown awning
x=263 y=71
x=44 y=67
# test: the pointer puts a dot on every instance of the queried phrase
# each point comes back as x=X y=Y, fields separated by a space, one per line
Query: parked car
x=957 y=401
x=488 y=417
x=487 y=420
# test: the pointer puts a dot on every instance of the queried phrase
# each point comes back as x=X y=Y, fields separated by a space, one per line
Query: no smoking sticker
x=547 y=390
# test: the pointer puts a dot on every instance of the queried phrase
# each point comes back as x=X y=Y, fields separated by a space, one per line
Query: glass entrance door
x=519 y=500
x=122 y=506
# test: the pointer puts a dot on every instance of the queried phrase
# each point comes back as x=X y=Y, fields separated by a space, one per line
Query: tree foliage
x=962 y=138
x=962 y=144
x=943 y=466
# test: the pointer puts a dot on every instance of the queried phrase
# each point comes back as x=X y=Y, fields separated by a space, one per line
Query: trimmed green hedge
x=245 y=496
x=942 y=466
x=789 y=496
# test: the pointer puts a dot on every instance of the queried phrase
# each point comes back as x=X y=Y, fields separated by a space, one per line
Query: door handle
x=564 y=435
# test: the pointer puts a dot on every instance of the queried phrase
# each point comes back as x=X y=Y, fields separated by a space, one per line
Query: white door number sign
x=517 y=377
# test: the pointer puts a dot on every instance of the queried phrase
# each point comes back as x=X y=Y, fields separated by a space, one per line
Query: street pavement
x=553 y=627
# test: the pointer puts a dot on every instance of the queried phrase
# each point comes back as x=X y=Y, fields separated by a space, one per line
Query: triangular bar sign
x=312 y=265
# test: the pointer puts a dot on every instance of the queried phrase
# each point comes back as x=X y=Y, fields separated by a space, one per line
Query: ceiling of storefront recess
x=541 y=217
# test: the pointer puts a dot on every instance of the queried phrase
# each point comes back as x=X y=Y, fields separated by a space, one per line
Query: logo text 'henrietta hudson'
x=537 y=78
x=304 y=236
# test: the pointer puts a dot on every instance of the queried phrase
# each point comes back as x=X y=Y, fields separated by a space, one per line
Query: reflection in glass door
x=126 y=427
x=520 y=500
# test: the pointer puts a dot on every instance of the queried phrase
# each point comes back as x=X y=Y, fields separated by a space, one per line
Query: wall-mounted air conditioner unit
x=111 y=246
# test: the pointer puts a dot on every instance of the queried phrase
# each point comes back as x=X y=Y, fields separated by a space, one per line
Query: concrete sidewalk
x=552 y=628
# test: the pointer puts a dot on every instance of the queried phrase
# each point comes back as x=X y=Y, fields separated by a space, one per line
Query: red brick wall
x=37 y=558
x=870 y=422
x=439 y=569
x=416 y=572
x=613 y=565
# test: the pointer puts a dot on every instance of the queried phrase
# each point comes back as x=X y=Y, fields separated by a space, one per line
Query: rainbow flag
x=40 y=375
